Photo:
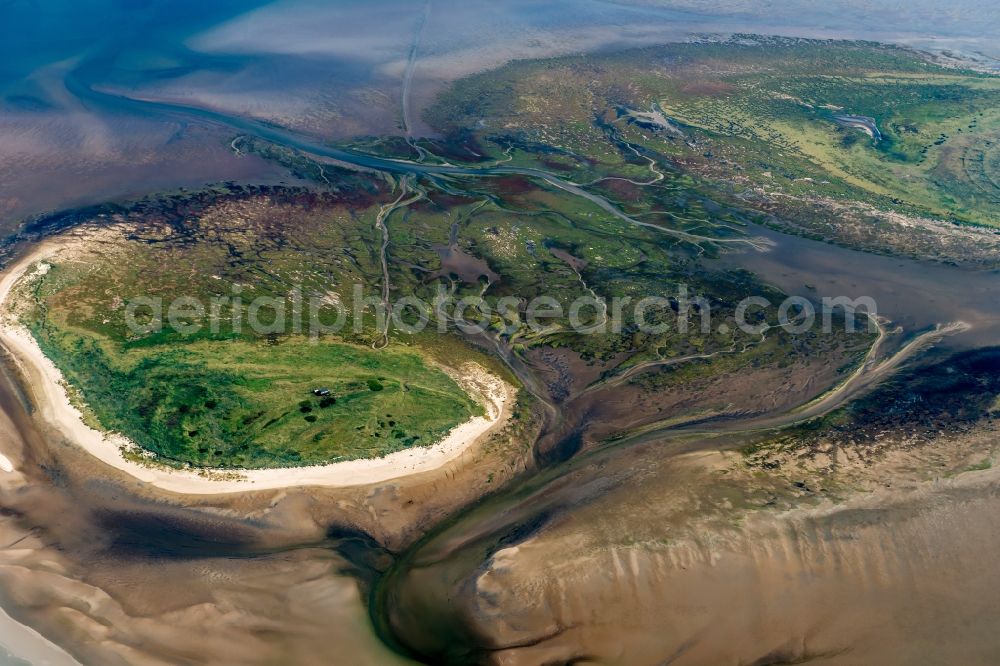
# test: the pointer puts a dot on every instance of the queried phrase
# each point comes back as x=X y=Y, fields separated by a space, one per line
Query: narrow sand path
x=48 y=390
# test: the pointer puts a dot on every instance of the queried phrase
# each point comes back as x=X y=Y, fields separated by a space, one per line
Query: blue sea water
x=254 y=56
x=125 y=40
x=331 y=67
x=34 y=35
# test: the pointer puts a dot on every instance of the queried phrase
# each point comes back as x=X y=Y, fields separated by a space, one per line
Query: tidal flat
x=650 y=495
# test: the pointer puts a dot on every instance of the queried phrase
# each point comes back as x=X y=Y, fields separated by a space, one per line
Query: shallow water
x=33 y=648
x=913 y=294
x=330 y=71
x=222 y=580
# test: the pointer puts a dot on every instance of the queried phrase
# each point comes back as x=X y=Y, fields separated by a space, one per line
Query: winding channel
x=875 y=366
x=114 y=102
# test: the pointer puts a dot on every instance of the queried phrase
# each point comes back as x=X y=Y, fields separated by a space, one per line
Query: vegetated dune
x=118 y=571
x=56 y=407
x=637 y=553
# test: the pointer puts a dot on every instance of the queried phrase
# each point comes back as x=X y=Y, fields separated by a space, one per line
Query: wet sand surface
x=883 y=581
x=334 y=72
x=628 y=556
x=31 y=646
x=120 y=572
x=913 y=294
x=681 y=559
x=668 y=552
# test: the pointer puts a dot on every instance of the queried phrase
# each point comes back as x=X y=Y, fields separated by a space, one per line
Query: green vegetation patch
x=226 y=396
x=252 y=404
x=754 y=116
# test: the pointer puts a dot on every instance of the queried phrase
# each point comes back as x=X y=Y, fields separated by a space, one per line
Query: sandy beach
x=48 y=389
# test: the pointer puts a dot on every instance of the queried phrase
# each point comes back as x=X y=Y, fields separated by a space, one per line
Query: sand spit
x=55 y=408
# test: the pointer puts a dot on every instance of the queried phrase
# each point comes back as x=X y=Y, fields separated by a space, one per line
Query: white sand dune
x=55 y=409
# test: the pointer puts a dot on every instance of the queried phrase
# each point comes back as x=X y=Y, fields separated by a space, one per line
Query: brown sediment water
x=914 y=294
x=119 y=572
x=242 y=573
x=871 y=577
x=641 y=556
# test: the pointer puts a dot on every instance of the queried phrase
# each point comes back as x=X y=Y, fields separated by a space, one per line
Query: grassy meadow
x=752 y=117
